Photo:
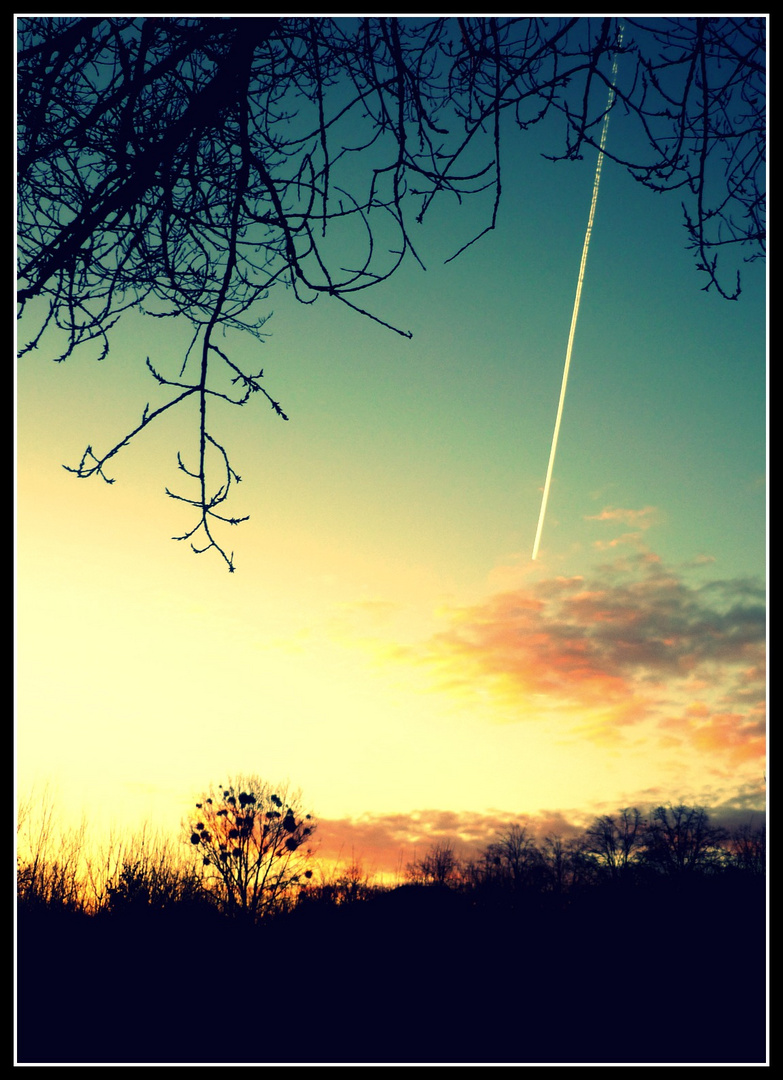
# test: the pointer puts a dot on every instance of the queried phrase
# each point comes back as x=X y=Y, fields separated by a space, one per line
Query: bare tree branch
x=184 y=166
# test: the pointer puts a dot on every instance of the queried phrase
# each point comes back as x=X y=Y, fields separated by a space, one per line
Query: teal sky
x=353 y=651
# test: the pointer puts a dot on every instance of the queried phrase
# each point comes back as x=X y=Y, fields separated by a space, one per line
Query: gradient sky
x=386 y=643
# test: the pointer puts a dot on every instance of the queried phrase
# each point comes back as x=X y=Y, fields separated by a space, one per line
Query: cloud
x=641 y=519
x=631 y=642
x=386 y=843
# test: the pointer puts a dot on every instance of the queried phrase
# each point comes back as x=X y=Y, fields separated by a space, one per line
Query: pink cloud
x=631 y=642
x=383 y=844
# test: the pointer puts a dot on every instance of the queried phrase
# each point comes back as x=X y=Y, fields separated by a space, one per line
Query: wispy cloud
x=640 y=519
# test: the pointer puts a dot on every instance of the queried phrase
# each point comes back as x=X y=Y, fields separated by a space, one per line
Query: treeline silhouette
x=641 y=939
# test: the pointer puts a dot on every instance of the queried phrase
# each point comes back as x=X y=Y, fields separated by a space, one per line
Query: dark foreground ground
x=416 y=976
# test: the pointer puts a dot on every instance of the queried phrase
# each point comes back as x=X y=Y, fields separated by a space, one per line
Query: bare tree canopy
x=184 y=166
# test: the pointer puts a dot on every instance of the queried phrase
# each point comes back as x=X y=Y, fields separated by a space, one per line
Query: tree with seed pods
x=253 y=843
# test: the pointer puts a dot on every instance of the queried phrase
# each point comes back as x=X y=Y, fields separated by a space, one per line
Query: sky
x=386 y=643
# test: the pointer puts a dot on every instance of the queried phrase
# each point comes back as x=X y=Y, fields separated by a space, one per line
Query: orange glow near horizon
x=530 y=700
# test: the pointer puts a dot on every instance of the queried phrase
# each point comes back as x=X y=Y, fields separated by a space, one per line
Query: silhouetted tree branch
x=183 y=167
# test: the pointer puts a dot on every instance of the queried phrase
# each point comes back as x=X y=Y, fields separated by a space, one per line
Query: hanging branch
x=184 y=166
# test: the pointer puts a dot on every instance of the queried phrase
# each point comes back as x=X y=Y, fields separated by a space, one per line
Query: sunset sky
x=386 y=643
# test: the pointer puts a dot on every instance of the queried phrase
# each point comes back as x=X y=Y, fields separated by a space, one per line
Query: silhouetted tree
x=253 y=845
x=680 y=840
x=353 y=883
x=567 y=863
x=438 y=866
x=340 y=885
x=515 y=859
x=748 y=846
x=184 y=166
x=615 y=839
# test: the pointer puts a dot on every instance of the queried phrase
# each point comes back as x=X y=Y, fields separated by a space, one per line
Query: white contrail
x=575 y=313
